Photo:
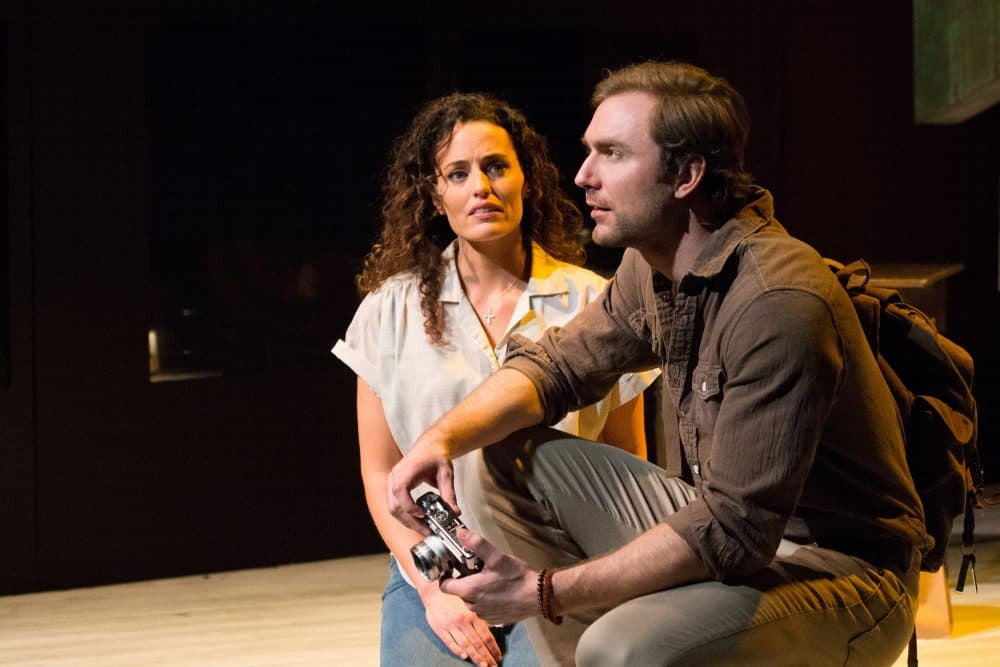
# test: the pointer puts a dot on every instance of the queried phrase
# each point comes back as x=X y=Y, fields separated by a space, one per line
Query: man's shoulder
x=774 y=260
x=782 y=286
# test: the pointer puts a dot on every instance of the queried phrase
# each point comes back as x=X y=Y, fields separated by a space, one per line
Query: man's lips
x=596 y=209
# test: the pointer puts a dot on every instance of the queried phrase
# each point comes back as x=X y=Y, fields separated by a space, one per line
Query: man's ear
x=690 y=176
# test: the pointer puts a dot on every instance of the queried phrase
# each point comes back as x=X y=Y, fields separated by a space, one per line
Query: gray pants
x=554 y=500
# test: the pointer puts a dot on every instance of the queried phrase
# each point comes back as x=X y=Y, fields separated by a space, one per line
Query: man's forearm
x=656 y=560
x=506 y=402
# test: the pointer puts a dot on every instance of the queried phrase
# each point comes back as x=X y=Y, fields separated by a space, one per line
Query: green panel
x=956 y=59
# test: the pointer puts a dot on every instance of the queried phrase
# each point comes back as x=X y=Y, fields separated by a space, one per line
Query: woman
x=437 y=320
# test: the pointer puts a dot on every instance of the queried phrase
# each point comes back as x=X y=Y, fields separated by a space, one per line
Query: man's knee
x=607 y=645
x=595 y=650
x=687 y=625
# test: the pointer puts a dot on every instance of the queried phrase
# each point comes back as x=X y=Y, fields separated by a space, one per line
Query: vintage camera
x=441 y=554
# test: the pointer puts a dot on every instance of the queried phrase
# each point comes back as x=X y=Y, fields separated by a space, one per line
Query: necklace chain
x=489 y=315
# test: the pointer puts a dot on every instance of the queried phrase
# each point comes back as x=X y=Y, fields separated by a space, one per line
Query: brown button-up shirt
x=779 y=407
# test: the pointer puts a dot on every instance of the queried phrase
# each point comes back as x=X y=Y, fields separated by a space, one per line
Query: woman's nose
x=482 y=184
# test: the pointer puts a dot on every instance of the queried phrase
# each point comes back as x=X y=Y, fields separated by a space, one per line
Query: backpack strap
x=855 y=276
x=869 y=302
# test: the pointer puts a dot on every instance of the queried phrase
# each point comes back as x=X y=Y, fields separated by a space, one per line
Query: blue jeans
x=408 y=641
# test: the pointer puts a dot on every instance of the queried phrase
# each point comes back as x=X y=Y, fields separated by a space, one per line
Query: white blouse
x=418 y=381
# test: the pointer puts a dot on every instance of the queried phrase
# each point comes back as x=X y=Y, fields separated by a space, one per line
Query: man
x=785 y=529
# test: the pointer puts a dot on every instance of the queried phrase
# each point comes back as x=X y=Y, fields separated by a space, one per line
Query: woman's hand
x=467 y=635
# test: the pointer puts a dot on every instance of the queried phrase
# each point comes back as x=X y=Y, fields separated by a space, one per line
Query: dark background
x=212 y=173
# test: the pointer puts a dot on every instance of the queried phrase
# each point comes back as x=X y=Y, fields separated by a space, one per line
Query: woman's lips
x=485 y=211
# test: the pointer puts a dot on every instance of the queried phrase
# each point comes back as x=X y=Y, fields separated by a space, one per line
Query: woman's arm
x=461 y=630
x=626 y=428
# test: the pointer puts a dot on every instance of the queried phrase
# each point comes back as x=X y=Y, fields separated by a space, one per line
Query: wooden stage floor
x=327 y=613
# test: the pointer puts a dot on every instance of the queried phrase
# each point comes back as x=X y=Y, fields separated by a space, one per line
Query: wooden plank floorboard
x=324 y=613
x=313 y=614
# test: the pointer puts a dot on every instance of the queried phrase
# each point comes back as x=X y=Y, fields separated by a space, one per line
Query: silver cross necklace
x=489 y=315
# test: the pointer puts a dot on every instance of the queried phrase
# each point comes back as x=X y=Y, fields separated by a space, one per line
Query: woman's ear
x=436 y=200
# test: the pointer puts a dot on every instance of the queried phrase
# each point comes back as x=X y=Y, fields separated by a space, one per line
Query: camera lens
x=431 y=557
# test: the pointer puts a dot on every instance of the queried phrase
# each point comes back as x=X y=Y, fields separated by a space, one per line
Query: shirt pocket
x=706 y=381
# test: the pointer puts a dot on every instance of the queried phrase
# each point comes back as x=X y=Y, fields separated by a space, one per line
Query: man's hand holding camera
x=428 y=462
x=497 y=587
x=504 y=591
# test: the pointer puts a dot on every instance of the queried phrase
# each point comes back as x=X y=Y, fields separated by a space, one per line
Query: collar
x=752 y=218
x=544 y=280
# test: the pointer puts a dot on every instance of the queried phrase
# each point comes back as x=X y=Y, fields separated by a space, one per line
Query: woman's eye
x=496 y=170
x=457 y=175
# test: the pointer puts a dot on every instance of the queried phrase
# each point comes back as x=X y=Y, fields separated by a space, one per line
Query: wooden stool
x=934 y=608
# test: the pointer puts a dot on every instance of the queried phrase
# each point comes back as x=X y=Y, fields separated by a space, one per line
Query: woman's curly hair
x=414 y=233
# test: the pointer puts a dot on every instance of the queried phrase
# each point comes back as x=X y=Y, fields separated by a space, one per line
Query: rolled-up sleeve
x=360 y=348
x=782 y=364
x=578 y=364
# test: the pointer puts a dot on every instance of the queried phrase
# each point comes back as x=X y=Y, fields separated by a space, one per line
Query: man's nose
x=585 y=175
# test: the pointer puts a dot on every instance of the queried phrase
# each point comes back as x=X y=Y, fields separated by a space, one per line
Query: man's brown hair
x=697 y=114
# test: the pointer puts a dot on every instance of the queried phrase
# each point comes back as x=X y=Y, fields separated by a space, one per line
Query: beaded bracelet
x=545 y=596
